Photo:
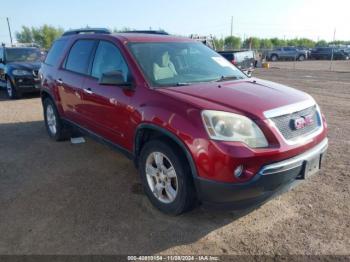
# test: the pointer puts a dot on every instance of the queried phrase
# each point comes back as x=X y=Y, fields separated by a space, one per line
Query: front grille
x=285 y=123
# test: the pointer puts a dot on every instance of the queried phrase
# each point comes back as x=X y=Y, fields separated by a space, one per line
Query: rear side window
x=55 y=52
x=79 y=56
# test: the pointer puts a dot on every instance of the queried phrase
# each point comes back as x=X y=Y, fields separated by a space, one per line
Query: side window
x=108 y=58
x=1 y=54
x=79 y=56
x=55 y=52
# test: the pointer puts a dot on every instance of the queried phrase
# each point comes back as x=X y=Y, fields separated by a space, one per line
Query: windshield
x=178 y=63
x=22 y=55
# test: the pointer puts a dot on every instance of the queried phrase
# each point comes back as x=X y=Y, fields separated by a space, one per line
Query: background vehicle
x=197 y=128
x=19 y=67
x=287 y=53
x=326 y=53
x=244 y=60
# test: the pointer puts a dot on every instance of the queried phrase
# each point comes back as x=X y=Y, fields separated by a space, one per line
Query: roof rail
x=87 y=31
x=153 y=32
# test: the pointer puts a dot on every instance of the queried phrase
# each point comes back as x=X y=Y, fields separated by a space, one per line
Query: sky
x=315 y=19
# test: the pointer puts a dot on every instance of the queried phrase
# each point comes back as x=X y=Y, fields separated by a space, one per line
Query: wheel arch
x=147 y=131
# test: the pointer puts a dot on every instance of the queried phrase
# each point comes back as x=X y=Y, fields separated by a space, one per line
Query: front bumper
x=26 y=83
x=270 y=180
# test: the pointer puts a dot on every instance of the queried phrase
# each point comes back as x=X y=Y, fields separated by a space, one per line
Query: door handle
x=59 y=81
x=88 y=91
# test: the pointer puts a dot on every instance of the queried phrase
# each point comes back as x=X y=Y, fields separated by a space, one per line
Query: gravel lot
x=58 y=198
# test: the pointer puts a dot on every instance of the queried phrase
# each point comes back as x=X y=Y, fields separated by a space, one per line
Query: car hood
x=251 y=97
x=24 y=65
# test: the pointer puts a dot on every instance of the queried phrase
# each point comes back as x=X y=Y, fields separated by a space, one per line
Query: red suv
x=197 y=128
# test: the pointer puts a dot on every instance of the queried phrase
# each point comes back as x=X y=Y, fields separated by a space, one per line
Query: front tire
x=166 y=178
x=11 y=90
x=53 y=122
x=301 y=58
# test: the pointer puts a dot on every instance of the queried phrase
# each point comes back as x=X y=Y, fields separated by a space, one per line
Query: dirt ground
x=58 y=198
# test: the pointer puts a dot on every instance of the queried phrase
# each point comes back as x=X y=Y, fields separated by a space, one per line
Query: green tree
x=25 y=36
x=266 y=43
x=43 y=36
x=278 y=42
x=321 y=43
x=306 y=42
x=252 y=43
x=232 y=42
x=219 y=43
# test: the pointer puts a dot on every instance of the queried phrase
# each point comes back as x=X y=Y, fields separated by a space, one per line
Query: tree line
x=46 y=34
x=233 y=42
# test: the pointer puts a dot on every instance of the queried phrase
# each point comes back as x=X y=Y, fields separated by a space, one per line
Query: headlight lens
x=232 y=127
x=19 y=72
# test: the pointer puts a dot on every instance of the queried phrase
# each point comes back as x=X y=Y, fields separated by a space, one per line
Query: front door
x=108 y=108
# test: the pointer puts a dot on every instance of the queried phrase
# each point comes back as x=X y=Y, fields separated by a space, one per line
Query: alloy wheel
x=51 y=119
x=161 y=177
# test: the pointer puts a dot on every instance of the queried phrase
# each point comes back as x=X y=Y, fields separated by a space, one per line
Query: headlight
x=232 y=127
x=19 y=72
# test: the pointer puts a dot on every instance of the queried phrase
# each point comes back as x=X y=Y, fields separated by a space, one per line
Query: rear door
x=107 y=107
x=71 y=77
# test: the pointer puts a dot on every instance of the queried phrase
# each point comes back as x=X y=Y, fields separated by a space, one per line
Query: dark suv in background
x=326 y=53
x=19 y=67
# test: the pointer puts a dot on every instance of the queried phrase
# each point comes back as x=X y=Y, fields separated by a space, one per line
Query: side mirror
x=114 y=78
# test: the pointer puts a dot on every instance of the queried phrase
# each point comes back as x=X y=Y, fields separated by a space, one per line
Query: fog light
x=238 y=171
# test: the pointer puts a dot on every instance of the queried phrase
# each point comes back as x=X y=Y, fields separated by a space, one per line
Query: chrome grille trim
x=302 y=138
x=289 y=109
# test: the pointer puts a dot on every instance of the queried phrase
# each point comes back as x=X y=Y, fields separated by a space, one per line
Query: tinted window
x=289 y=49
x=22 y=54
x=228 y=56
x=55 y=52
x=107 y=59
x=79 y=56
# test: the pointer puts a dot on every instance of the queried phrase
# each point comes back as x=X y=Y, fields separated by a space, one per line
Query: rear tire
x=274 y=58
x=54 y=125
x=166 y=178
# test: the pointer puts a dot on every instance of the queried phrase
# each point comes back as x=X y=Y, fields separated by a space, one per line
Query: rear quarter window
x=55 y=52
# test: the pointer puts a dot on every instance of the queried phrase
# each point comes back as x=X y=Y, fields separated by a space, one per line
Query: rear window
x=79 y=56
x=55 y=52
x=228 y=56
x=242 y=56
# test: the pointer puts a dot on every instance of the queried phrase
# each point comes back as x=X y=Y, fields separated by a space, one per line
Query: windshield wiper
x=227 y=78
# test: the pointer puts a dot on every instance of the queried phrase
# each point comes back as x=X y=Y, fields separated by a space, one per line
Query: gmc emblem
x=302 y=122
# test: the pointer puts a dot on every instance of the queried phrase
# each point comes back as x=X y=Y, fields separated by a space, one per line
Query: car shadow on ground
x=59 y=198
x=4 y=97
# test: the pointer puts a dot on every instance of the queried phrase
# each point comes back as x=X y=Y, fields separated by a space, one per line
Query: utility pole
x=8 y=24
x=231 y=26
